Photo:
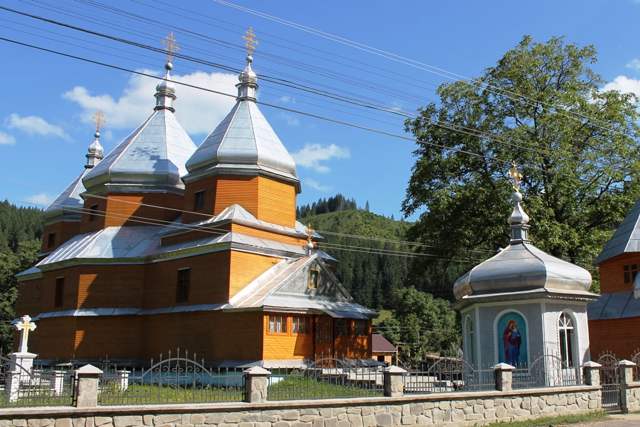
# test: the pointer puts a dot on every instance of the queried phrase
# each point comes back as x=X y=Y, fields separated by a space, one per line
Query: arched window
x=567 y=336
x=469 y=339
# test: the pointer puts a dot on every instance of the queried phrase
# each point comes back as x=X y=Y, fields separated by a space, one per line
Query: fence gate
x=610 y=382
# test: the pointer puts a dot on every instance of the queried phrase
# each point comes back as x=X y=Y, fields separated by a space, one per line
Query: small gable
x=314 y=279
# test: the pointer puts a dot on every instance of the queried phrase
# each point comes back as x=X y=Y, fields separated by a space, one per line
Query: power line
x=455 y=128
x=411 y=62
x=290 y=110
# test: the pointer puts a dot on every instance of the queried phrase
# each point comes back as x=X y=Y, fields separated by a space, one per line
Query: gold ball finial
x=250 y=41
x=516 y=176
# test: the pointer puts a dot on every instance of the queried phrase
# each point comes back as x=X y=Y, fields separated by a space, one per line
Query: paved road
x=628 y=420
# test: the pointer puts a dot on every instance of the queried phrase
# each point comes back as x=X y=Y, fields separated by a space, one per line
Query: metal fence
x=327 y=378
x=177 y=378
x=448 y=375
x=546 y=371
x=21 y=386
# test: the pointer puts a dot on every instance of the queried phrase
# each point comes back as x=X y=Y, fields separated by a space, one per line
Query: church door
x=323 y=338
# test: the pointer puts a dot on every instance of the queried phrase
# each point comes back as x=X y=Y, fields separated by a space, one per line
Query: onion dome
x=521 y=268
x=68 y=203
x=244 y=143
x=150 y=159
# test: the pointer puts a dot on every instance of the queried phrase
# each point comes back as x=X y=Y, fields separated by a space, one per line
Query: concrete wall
x=460 y=409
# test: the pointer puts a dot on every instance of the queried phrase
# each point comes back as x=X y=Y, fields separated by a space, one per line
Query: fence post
x=123 y=379
x=591 y=373
x=256 y=383
x=58 y=382
x=393 y=379
x=504 y=376
x=625 y=369
x=86 y=392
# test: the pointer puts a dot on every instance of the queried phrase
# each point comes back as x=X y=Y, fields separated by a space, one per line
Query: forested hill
x=370 y=277
x=20 y=230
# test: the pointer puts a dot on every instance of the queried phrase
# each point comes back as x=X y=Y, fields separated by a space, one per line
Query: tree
x=421 y=324
x=576 y=145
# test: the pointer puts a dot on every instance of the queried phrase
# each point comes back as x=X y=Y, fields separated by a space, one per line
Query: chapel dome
x=153 y=157
x=521 y=267
x=244 y=143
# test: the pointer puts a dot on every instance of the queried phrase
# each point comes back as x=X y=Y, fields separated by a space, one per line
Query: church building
x=163 y=244
x=523 y=306
x=614 y=319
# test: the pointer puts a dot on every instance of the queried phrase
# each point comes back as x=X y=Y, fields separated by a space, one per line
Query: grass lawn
x=554 y=421
x=291 y=388
x=157 y=394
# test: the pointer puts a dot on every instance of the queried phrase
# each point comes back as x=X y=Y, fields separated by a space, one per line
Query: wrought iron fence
x=610 y=381
x=546 y=371
x=326 y=379
x=178 y=378
x=449 y=375
x=27 y=386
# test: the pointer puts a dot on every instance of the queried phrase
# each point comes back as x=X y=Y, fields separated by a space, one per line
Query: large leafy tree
x=541 y=106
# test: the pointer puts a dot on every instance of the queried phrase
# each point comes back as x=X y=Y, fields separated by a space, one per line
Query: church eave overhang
x=240 y=170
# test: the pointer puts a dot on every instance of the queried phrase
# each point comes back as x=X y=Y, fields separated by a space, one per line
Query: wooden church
x=162 y=244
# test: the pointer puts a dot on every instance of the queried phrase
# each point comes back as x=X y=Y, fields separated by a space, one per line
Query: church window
x=300 y=325
x=567 y=334
x=198 y=201
x=92 y=212
x=362 y=327
x=342 y=327
x=51 y=240
x=183 y=285
x=314 y=276
x=58 y=299
x=630 y=272
x=469 y=344
x=277 y=324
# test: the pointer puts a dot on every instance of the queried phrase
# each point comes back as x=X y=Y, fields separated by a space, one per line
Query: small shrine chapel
x=523 y=304
x=162 y=244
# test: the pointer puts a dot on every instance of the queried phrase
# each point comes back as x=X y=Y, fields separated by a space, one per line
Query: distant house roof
x=617 y=305
x=380 y=344
x=625 y=239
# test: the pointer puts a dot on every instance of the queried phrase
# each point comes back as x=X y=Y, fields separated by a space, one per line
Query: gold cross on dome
x=250 y=41
x=516 y=176
x=99 y=120
x=170 y=46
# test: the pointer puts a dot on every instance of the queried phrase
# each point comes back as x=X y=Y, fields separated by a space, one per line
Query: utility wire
x=414 y=63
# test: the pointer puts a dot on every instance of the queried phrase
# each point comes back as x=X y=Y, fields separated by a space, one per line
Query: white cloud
x=312 y=156
x=34 y=125
x=290 y=119
x=634 y=64
x=40 y=199
x=198 y=111
x=312 y=183
x=624 y=84
x=6 y=139
x=286 y=99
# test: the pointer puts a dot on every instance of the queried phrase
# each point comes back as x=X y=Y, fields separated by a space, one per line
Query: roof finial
x=165 y=91
x=519 y=220
x=95 y=153
x=248 y=78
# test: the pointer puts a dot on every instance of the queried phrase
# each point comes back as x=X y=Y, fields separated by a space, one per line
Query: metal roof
x=244 y=142
x=69 y=198
x=522 y=267
x=379 y=344
x=617 y=305
x=153 y=157
x=626 y=237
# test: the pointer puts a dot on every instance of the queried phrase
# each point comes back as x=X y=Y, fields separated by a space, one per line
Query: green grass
x=302 y=388
x=44 y=399
x=554 y=421
x=150 y=394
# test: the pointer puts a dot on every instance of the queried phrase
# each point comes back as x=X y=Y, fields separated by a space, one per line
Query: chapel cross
x=99 y=120
x=250 y=41
x=310 y=243
x=25 y=325
x=171 y=46
x=516 y=176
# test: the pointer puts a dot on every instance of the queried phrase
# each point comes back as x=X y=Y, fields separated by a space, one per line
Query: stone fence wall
x=459 y=409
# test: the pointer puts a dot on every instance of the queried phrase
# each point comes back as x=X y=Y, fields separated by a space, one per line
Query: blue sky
x=48 y=101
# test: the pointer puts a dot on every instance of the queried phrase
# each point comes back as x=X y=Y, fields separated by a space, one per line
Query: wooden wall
x=63 y=230
x=612 y=273
x=620 y=336
x=283 y=346
x=245 y=267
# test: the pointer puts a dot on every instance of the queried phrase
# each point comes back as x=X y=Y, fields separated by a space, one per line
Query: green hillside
x=370 y=277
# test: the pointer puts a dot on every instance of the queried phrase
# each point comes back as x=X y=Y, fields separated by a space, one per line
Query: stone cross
x=25 y=325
